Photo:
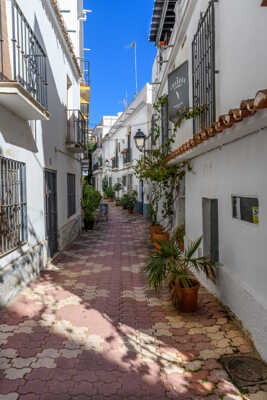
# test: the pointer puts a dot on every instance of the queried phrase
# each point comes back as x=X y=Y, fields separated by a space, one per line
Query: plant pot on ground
x=171 y=265
x=158 y=238
x=155 y=229
x=89 y=220
x=117 y=187
x=109 y=192
x=131 y=201
x=124 y=201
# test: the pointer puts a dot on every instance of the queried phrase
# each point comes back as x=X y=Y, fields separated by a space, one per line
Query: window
x=13 y=205
x=110 y=181
x=246 y=209
x=203 y=68
x=71 y=194
x=210 y=229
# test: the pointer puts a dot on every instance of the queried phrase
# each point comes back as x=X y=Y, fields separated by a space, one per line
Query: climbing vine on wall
x=154 y=168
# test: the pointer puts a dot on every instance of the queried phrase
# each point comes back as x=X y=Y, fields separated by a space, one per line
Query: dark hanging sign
x=178 y=96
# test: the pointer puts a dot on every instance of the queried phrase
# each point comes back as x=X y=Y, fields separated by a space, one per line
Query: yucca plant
x=172 y=265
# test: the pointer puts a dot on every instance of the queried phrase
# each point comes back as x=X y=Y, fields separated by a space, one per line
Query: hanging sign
x=178 y=90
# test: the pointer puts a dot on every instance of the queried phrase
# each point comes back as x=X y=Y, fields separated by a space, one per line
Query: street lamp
x=140 y=139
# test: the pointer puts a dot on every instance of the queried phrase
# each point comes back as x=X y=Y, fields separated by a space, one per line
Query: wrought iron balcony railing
x=85 y=67
x=76 y=140
x=22 y=58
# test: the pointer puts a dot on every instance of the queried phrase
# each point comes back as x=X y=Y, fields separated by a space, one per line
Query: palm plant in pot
x=124 y=201
x=117 y=187
x=172 y=266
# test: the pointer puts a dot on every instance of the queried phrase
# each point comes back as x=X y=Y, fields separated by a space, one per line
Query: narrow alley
x=88 y=328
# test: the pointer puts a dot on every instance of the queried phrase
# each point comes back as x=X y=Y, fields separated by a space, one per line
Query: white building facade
x=118 y=151
x=208 y=54
x=41 y=138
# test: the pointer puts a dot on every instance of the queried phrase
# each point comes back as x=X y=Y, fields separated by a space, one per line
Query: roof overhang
x=163 y=20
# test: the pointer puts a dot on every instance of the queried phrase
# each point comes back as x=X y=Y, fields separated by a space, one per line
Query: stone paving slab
x=88 y=328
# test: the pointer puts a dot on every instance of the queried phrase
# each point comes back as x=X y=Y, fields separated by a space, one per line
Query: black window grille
x=203 y=68
x=164 y=122
x=13 y=205
x=71 y=194
x=124 y=180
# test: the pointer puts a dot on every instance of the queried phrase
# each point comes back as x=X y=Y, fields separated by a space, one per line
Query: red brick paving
x=88 y=328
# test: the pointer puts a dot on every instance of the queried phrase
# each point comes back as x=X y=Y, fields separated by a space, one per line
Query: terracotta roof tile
x=247 y=108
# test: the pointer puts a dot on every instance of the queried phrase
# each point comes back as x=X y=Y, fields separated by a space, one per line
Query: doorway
x=51 y=211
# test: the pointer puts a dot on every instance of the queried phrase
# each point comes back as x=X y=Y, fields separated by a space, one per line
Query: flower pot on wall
x=130 y=211
x=110 y=199
x=185 y=298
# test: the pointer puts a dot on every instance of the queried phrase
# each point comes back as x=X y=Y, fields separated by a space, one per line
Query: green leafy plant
x=171 y=265
x=90 y=202
x=153 y=167
x=131 y=200
x=124 y=201
x=109 y=192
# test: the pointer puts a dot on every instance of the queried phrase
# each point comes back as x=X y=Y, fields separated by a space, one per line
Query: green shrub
x=109 y=192
x=124 y=201
x=90 y=201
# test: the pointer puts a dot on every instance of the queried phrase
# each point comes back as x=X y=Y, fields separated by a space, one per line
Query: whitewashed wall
x=37 y=143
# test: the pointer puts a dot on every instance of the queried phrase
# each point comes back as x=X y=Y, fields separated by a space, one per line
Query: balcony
x=76 y=131
x=85 y=81
x=23 y=81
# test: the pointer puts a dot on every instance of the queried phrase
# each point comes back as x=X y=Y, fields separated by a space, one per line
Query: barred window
x=71 y=194
x=203 y=68
x=13 y=205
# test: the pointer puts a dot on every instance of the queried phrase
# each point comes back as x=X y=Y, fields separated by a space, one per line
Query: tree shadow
x=85 y=336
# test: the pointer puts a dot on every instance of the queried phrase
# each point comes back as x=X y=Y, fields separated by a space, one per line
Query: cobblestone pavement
x=88 y=328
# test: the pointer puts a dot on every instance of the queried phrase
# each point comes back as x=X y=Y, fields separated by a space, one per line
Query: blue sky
x=109 y=28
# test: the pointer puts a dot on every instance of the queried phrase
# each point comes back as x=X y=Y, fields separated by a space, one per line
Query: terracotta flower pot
x=185 y=299
x=162 y=236
x=117 y=203
x=110 y=199
x=155 y=229
x=130 y=211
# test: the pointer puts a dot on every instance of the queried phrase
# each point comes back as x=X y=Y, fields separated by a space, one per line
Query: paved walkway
x=88 y=329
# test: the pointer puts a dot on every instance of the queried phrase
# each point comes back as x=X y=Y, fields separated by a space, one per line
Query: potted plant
x=117 y=187
x=158 y=238
x=124 y=201
x=89 y=220
x=110 y=193
x=90 y=202
x=132 y=200
x=176 y=267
